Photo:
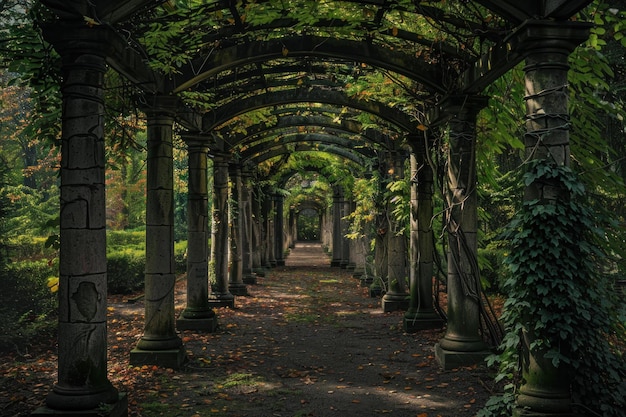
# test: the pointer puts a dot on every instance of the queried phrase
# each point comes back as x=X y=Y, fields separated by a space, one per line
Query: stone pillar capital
x=74 y=39
x=463 y=106
x=551 y=36
x=161 y=105
x=196 y=142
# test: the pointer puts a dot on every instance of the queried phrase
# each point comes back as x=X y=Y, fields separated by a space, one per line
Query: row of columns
x=82 y=365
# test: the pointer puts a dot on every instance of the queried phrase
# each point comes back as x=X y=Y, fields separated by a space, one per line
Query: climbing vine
x=556 y=291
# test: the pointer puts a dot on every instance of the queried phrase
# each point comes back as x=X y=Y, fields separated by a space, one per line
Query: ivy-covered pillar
x=421 y=313
x=396 y=296
x=247 y=225
x=258 y=250
x=279 y=230
x=82 y=385
x=380 y=270
x=235 y=278
x=345 y=242
x=463 y=343
x=337 y=241
x=218 y=271
x=271 y=230
x=198 y=314
x=160 y=344
x=545 y=389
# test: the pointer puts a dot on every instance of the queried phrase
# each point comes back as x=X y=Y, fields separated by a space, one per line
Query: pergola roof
x=229 y=60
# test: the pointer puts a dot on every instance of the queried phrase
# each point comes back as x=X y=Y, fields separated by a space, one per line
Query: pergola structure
x=206 y=66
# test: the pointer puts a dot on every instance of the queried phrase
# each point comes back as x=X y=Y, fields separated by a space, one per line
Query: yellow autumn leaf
x=53 y=284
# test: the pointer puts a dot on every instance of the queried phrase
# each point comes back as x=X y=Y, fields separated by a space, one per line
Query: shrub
x=126 y=238
x=27 y=306
x=180 y=256
x=125 y=270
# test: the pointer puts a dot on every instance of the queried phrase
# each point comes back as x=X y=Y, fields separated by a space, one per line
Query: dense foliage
x=557 y=292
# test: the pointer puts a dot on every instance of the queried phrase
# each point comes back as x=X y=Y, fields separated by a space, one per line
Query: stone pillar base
x=250 y=278
x=357 y=272
x=171 y=358
x=335 y=263
x=117 y=409
x=375 y=292
x=238 y=289
x=422 y=322
x=366 y=282
x=394 y=302
x=259 y=272
x=543 y=403
x=206 y=324
x=222 y=300
x=280 y=262
x=453 y=359
x=351 y=266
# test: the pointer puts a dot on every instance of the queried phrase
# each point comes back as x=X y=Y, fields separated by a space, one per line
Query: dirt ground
x=306 y=341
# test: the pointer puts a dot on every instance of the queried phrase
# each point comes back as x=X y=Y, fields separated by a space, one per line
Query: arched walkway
x=306 y=340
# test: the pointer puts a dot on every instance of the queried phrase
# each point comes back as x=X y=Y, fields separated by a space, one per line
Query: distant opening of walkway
x=308 y=254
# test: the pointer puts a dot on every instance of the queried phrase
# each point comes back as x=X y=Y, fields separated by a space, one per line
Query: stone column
x=279 y=229
x=380 y=269
x=337 y=241
x=258 y=250
x=160 y=344
x=82 y=385
x=396 y=297
x=235 y=279
x=198 y=314
x=345 y=242
x=421 y=314
x=545 y=389
x=266 y=211
x=247 y=220
x=462 y=344
x=220 y=296
x=270 y=219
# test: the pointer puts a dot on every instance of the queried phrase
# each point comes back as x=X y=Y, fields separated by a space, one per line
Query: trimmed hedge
x=26 y=304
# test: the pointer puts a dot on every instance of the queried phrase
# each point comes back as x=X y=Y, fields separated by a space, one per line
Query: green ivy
x=555 y=291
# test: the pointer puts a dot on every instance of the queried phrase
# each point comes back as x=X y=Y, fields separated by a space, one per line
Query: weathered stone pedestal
x=395 y=301
x=222 y=300
x=366 y=281
x=168 y=358
x=202 y=322
x=250 y=278
x=237 y=288
x=451 y=359
x=414 y=322
x=116 y=409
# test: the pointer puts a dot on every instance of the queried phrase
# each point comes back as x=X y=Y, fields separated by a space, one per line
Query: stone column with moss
x=82 y=385
x=396 y=297
x=463 y=343
x=345 y=225
x=247 y=224
x=279 y=230
x=198 y=314
x=336 y=229
x=258 y=248
x=545 y=389
x=421 y=314
x=218 y=270
x=160 y=344
x=235 y=278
